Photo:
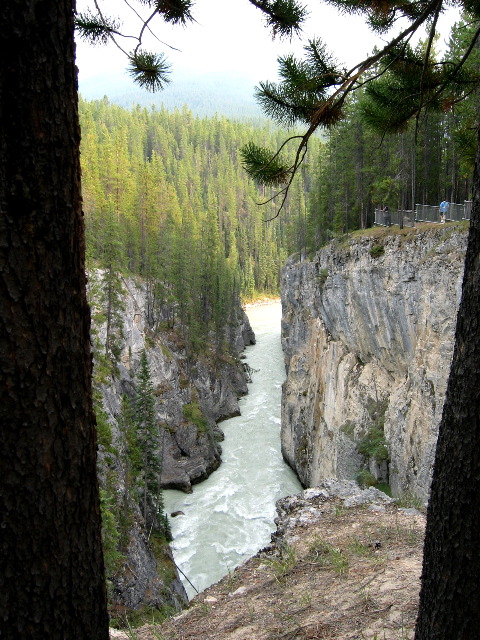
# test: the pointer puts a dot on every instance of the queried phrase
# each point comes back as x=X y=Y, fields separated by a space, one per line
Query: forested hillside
x=206 y=94
x=174 y=238
x=426 y=161
x=165 y=197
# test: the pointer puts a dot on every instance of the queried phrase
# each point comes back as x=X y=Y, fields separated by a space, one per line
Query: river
x=229 y=516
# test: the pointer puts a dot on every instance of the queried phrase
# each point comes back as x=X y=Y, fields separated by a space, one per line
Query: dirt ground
x=336 y=574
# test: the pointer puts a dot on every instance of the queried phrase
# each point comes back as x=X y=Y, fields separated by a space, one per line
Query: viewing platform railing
x=423 y=213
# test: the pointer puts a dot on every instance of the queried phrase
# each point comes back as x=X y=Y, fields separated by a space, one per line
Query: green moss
x=366 y=479
x=377 y=250
x=193 y=413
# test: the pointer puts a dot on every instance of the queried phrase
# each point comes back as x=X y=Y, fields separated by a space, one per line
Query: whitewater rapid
x=230 y=516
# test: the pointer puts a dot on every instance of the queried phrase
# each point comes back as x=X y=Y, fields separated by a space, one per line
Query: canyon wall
x=368 y=331
x=189 y=444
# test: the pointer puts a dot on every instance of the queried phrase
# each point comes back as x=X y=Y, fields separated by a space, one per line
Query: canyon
x=367 y=334
x=210 y=385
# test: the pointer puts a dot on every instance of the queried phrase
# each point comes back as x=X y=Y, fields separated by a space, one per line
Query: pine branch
x=453 y=72
x=285 y=17
x=299 y=158
x=149 y=70
x=330 y=110
x=263 y=165
x=94 y=29
x=173 y=11
x=132 y=8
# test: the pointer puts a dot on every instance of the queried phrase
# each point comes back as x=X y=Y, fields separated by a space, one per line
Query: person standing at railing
x=444 y=205
x=386 y=216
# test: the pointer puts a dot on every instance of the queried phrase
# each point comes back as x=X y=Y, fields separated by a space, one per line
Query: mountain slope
x=204 y=94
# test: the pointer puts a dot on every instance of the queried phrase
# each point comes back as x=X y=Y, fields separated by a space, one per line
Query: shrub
x=322 y=276
x=193 y=413
x=366 y=479
x=373 y=444
x=377 y=250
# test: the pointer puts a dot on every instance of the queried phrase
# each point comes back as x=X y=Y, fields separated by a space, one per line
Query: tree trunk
x=450 y=594
x=51 y=567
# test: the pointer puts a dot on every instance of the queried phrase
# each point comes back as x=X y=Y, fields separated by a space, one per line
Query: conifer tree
x=151 y=447
x=51 y=561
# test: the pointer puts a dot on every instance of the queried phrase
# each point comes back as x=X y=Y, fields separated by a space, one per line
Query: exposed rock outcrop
x=341 y=568
x=214 y=382
x=367 y=333
x=209 y=387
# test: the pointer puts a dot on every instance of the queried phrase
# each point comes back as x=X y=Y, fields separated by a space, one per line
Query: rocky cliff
x=368 y=328
x=344 y=564
x=209 y=386
x=213 y=381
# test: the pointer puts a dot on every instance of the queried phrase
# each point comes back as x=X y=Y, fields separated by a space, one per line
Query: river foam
x=229 y=516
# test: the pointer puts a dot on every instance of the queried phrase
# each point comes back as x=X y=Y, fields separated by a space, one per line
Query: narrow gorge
x=190 y=397
x=367 y=337
x=368 y=328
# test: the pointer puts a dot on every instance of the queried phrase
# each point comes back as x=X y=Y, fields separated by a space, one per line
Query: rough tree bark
x=51 y=565
x=450 y=593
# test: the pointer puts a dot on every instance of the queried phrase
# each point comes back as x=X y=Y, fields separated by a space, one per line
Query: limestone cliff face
x=191 y=452
x=215 y=383
x=368 y=333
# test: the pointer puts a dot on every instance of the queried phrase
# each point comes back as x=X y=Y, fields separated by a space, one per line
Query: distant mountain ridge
x=205 y=94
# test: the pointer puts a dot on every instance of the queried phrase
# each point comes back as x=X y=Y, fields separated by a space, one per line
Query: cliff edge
x=345 y=564
x=368 y=333
x=190 y=396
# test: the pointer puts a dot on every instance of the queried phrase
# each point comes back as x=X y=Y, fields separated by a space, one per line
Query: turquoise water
x=229 y=516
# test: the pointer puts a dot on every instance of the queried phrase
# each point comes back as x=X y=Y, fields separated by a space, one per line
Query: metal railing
x=395 y=217
x=427 y=213
x=423 y=213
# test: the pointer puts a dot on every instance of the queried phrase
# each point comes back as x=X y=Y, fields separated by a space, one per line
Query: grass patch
x=358 y=548
x=283 y=564
x=193 y=413
x=327 y=555
x=130 y=619
x=409 y=501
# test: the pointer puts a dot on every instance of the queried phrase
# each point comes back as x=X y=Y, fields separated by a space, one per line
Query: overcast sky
x=229 y=35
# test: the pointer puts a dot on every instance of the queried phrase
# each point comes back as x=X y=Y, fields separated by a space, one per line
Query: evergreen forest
x=425 y=161
x=166 y=198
